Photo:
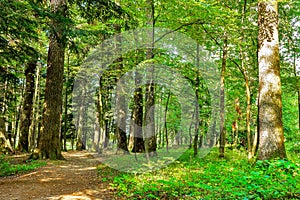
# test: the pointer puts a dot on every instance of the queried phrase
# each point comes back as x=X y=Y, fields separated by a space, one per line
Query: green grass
x=8 y=169
x=137 y=163
x=210 y=178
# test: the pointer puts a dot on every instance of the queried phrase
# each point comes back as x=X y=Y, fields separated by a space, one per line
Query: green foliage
x=212 y=178
x=8 y=169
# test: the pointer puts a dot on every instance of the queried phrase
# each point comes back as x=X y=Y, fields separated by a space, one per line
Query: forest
x=150 y=99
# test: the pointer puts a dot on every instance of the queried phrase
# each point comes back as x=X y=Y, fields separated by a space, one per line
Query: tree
x=149 y=120
x=222 y=99
x=271 y=137
x=137 y=116
x=26 y=116
x=49 y=139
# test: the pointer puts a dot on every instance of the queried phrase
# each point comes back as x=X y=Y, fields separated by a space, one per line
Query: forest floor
x=73 y=178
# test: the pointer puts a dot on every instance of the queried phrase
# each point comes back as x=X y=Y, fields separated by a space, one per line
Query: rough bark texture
x=26 y=116
x=49 y=140
x=271 y=137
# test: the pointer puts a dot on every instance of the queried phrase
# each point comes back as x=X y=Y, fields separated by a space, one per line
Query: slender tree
x=149 y=120
x=222 y=100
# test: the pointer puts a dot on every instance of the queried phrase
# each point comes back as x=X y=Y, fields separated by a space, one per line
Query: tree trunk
x=298 y=91
x=197 y=121
x=64 y=136
x=165 y=121
x=80 y=123
x=248 y=113
x=121 y=108
x=190 y=130
x=222 y=99
x=4 y=142
x=26 y=115
x=137 y=116
x=49 y=139
x=149 y=120
x=33 y=132
x=271 y=137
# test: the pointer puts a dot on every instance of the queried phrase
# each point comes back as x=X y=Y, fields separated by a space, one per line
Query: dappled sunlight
x=87 y=194
x=29 y=174
x=50 y=179
x=69 y=197
x=87 y=169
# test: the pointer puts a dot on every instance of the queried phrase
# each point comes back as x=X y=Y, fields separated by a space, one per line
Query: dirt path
x=75 y=178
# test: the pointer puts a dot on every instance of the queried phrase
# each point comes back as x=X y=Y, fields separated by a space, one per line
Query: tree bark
x=26 y=116
x=137 y=116
x=49 y=140
x=271 y=137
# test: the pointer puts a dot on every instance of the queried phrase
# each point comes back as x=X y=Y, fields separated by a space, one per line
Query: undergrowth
x=209 y=178
x=8 y=169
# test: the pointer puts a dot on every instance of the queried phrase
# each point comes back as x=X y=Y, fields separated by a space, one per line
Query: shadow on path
x=74 y=178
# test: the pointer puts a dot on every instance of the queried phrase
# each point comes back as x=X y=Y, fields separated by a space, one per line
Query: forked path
x=74 y=178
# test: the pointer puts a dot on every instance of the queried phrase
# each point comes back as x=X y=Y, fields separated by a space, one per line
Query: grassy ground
x=10 y=166
x=210 y=178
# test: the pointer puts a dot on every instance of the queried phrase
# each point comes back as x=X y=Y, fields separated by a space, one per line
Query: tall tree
x=121 y=106
x=137 y=116
x=149 y=120
x=26 y=116
x=49 y=139
x=222 y=100
x=271 y=137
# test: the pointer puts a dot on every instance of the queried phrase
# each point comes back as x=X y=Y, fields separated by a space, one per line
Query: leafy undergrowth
x=8 y=169
x=210 y=178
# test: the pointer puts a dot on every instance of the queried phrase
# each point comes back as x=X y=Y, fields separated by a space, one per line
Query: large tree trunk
x=222 y=100
x=49 y=140
x=271 y=137
x=26 y=115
